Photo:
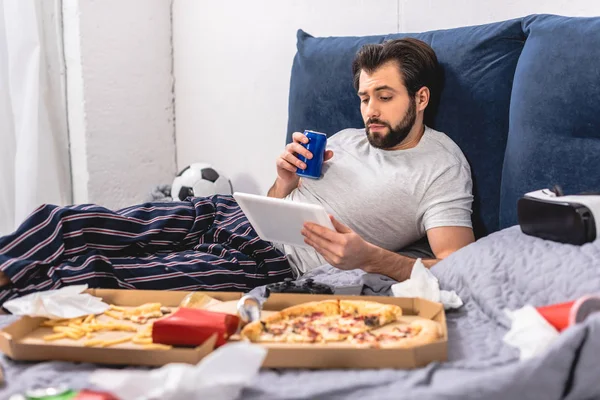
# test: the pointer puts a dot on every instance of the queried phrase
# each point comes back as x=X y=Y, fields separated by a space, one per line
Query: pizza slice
x=323 y=321
x=292 y=324
x=356 y=316
x=417 y=333
x=373 y=314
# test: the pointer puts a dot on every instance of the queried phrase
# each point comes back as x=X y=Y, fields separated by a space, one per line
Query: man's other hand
x=342 y=248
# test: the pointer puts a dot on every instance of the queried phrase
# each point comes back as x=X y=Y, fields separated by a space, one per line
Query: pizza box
x=343 y=356
x=23 y=340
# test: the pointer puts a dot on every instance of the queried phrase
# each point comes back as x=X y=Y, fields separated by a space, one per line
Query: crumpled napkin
x=67 y=302
x=219 y=376
x=424 y=284
x=529 y=332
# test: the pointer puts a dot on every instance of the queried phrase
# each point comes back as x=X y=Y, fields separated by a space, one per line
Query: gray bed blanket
x=505 y=270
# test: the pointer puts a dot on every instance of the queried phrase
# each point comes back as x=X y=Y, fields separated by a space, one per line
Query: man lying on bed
x=385 y=186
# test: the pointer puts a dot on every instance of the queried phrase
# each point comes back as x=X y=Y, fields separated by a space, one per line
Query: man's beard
x=395 y=135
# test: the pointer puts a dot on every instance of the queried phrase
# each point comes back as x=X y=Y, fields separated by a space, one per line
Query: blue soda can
x=317 y=142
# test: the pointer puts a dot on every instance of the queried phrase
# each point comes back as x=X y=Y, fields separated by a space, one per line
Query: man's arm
x=443 y=241
x=280 y=189
x=345 y=249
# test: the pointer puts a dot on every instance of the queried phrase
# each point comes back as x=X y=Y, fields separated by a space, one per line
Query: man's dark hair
x=417 y=62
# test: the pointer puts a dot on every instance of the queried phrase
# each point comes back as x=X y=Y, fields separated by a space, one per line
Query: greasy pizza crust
x=386 y=313
x=326 y=307
x=424 y=331
x=429 y=332
x=253 y=331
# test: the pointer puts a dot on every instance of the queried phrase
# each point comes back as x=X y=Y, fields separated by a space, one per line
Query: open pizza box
x=23 y=340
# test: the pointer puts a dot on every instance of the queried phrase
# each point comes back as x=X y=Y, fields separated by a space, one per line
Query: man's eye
x=364 y=101
x=385 y=98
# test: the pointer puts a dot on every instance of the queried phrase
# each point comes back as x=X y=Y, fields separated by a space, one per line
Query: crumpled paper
x=424 y=284
x=219 y=376
x=67 y=302
x=529 y=332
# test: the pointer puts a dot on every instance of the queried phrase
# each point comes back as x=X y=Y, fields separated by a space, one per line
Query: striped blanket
x=198 y=244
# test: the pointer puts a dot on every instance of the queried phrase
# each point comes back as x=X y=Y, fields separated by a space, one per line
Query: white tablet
x=280 y=221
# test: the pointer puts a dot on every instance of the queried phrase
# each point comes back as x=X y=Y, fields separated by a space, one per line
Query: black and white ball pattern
x=199 y=180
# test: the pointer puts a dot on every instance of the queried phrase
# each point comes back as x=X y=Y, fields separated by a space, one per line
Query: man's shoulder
x=347 y=134
x=442 y=144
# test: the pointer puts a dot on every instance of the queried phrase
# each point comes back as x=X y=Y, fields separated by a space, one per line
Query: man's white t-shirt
x=389 y=197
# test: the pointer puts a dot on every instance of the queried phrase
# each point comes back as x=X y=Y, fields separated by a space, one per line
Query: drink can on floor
x=62 y=392
x=317 y=142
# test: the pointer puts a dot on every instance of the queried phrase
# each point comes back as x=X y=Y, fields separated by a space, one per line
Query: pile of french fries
x=79 y=328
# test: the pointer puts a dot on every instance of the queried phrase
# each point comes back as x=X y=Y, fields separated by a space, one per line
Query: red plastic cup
x=192 y=327
x=563 y=315
x=557 y=314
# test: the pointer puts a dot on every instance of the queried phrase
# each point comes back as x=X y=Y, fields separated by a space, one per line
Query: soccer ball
x=199 y=180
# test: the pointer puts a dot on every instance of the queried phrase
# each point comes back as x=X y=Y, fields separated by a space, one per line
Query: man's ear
x=422 y=98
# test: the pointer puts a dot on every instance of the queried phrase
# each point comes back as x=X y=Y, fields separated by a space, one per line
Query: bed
x=504 y=270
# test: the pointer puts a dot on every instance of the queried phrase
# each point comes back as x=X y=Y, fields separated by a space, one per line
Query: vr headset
x=548 y=214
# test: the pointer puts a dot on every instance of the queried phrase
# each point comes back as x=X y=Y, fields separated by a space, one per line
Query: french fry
x=147 y=332
x=138 y=319
x=105 y=326
x=108 y=343
x=78 y=328
x=157 y=346
x=88 y=319
x=99 y=327
x=55 y=322
x=154 y=314
x=126 y=328
x=143 y=309
x=74 y=336
x=91 y=343
x=70 y=332
x=140 y=340
x=116 y=327
x=64 y=329
x=54 y=336
x=113 y=314
x=86 y=327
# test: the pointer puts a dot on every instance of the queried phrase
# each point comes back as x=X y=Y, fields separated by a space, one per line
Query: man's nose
x=372 y=110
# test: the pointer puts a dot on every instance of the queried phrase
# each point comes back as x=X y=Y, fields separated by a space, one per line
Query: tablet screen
x=281 y=221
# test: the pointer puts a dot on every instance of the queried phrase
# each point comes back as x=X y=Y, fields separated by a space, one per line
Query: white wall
x=120 y=98
x=233 y=61
x=232 y=67
x=424 y=15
